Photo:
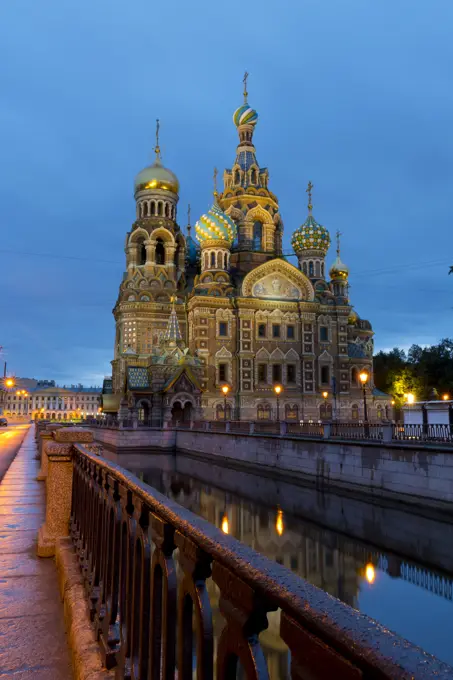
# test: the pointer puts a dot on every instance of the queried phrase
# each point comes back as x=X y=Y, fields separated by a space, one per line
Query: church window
x=324 y=334
x=276 y=330
x=160 y=207
x=237 y=177
x=322 y=269
x=212 y=259
x=325 y=375
x=290 y=332
x=223 y=329
x=310 y=269
x=291 y=412
x=160 y=251
x=261 y=330
x=262 y=373
x=379 y=412
x=317 y=268
x=153 y=207
x=325 y=411
x=276 y=373
x=258 y=236
x=145 y=209
x=223 y=373
x=354 y=376
x=291 y=373
x=305 y=268
x=141 y=253
x=355 y=412
x=253 y=176
x=225 y=261
x=206 y=260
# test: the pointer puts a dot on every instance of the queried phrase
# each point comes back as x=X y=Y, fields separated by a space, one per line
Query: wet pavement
x=32 y=633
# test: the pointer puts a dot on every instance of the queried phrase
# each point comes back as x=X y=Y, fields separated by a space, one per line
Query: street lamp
x=225 y=390
x=277 y=390
x=445 y=397
x=364 y=379
x=9 y=382
x=410 y=398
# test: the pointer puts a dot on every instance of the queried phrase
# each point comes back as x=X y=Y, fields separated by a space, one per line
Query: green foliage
x=427 y=372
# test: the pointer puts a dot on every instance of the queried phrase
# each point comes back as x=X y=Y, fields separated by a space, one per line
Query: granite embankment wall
x=409 y=472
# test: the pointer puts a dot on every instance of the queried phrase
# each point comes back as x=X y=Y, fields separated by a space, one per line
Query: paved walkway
x=32 y=635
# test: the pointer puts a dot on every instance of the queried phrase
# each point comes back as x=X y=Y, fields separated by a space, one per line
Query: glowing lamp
x=410 y=398
x=225 y=525
x=225 y=389
x=325 y=395
x=9 y=382
x=277 y=389
x=445 y=397
x=363 y=377
x=279 y=526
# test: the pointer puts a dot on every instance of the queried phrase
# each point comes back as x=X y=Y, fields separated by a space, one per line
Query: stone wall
x=404 y=472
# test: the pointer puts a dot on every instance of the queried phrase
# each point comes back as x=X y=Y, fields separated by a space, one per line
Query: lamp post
x=364 y=379
x=225 y=390
x=277 y=390
x=445 y=397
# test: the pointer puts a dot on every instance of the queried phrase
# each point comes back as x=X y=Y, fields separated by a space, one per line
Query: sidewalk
x=32 y=635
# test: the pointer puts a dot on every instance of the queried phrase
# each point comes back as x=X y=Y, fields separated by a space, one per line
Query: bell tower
x=246 y=198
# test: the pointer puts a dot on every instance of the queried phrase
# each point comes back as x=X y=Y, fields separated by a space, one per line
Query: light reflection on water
x=338 y=544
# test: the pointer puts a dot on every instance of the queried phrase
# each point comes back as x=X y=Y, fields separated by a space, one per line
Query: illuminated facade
x=227 y=307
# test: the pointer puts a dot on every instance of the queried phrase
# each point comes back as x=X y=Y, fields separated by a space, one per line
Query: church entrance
x=181 y=414
x=143 y=411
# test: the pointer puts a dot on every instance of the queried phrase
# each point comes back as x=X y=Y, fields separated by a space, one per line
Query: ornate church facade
x=227 y=310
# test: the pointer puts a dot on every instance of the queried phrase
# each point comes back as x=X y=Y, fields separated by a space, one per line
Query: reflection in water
x=394 y=566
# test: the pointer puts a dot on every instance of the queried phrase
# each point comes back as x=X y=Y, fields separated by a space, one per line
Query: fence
x=150 y=570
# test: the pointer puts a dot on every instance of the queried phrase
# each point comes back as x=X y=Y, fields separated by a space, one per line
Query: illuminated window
x=261 y=330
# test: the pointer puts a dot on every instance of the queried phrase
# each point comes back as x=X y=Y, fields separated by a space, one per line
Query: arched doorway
x=181 y=413
x=144 y=412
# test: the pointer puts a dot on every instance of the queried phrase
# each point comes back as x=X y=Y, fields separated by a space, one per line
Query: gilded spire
x=309 y=190
x=338 y=243
x=157 y=147
x=244 y=80
x=173 y=334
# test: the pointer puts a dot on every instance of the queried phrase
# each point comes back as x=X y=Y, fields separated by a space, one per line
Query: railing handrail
x=357 y=638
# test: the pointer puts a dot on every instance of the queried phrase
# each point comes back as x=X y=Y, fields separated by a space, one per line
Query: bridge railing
x=435 y=433
x=153 y=572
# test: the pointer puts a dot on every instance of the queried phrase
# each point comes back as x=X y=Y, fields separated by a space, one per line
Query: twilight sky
x=355 y=95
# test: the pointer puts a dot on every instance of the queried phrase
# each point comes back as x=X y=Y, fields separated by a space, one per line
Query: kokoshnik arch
x=226 y=307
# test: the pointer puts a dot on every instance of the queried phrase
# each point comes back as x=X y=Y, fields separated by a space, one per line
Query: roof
x=380 y=393
x=356 y=351
x=66 y=390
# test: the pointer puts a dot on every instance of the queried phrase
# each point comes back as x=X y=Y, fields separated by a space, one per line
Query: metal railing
x=152 y=572
x=435 y=433
x=357 y=430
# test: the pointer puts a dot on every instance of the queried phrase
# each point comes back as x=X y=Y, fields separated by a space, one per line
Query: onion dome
x=310 y=236
x=338 y=269
x=245 y=115
x=215 y=226
x=353 y=318
x=155 y=176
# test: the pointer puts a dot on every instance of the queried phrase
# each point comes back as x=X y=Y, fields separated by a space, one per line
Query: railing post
x=387 y=432
x=283 y=428
x=44 y=438
x=59 y=487
x=326 y=430
x=227 y=426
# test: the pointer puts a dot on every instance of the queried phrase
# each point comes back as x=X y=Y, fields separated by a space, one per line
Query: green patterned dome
x=310 y=236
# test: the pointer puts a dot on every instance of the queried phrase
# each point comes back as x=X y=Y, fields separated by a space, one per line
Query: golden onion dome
x=353 y=317
x=338 y=269
x=155 y=176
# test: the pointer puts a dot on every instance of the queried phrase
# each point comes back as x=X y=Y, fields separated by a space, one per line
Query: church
x=213 y=322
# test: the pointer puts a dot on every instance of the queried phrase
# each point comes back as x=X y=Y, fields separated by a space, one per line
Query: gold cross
x=188 y=214
x=157 y=147
x=338 y=242
x=308 y=190
x=244 y=80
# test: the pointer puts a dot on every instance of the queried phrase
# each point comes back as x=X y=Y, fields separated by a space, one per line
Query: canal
x=392 y=563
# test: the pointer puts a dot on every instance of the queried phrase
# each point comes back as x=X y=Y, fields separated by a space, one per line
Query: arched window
x=317 y=268
x=304 y=267
x=167 y=210
x=257 y=236
x=379 y=412
x=355 y=412
x=325 y=411
x=141 y=253
x=225 y=261
x=160 y=208
x=253 y=176
x=310 y=269
x=237 y=177
x=206 y=260
x=322 y=269
x=219 y=260
x=325 y=375
x=291 y=412
x=153 y=207
x=160 y=251
x=212 y=259
x=354 y=376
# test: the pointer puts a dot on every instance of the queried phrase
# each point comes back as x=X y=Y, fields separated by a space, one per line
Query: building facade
x=45 y=400
x=226 y=308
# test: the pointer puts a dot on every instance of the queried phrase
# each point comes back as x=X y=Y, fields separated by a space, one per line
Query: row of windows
x=276 y=331
x=315 y=269
x=156 y=208
x=276 y=373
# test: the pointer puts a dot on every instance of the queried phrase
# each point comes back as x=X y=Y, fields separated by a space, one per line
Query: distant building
x=46 y=400
x=428 y=413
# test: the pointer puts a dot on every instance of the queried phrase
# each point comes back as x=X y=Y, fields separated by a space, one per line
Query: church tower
x=155 y=268
x=311 y=242
x=248 y=201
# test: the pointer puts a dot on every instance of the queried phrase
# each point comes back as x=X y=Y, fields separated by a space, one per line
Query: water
x=393 y=564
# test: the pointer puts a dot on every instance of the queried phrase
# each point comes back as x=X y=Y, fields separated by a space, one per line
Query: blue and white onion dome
x=215 y=226
x=245 y=115
x=310 y=236
x=338 y=269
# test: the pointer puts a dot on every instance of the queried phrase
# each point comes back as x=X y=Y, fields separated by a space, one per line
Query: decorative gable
x=277 y=280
